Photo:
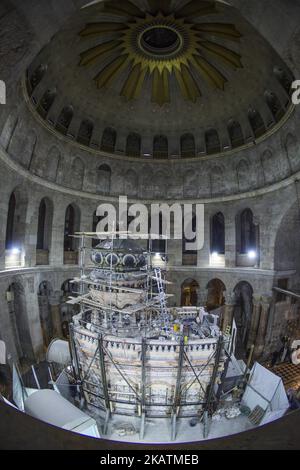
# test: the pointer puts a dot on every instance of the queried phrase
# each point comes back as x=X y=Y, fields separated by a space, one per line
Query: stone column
x=55 y=301
x=228 y=310
x=254 y=320
x=230 y=241
x=263 y=324
x=57 y=239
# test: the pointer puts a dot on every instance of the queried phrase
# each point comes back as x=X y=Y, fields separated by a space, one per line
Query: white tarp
x=52 y=408
x=2 y=353
x=59 y=352
x=266 y=390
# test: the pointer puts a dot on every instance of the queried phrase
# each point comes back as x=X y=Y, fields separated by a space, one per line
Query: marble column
x=55 y=301
x=262 y=328
x=255 y=318
x=228 y=310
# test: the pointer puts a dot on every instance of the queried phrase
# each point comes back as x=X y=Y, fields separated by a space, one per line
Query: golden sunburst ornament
x=160 y=42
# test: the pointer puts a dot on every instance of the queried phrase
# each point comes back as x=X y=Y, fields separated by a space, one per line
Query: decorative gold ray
x=134 y=83
x=123 y=7
x=98 y=29
x=228 y=56
x=160 y=5
x=209 y=72
x=187 y=84
x=105 y=78
x=92 y=55
x=196 y=8
x=225 y=30
x=160 y=87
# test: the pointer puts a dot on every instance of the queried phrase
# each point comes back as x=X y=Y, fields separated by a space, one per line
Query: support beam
x=143 y=394
x=104 y=383
x=211 y=392
x=177 y=398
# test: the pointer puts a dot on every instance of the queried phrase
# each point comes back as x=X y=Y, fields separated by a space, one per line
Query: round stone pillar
x=263 y=324
x=55 y=301
x=254 y=320
x=228 y=310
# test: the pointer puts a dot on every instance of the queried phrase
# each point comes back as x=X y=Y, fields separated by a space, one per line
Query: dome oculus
x=161 y=42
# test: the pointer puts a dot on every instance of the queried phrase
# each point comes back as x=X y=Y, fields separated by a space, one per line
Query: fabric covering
x=266 y=390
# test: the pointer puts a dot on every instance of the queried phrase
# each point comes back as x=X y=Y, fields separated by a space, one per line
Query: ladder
x=161 y=295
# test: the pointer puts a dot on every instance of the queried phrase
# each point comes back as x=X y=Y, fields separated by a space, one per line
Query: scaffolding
x=131 y=357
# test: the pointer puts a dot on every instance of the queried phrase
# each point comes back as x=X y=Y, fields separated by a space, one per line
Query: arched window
x=189 y=257
x=15 y=228
x=188 y=146
x=133 y=145
x=72 y=225
x=235 y=134
x=212 y=142
x=218 y=234
x=256 y=122
x=36 y=78
x=65 y=119
x=46 y=102
x=158 y=245
x=9 y=240
x=215 y=294
x=189 y=293
x=109 y=139
x=160 y=147
x=85 y=132
x=44 y=232
x=247 y=239
x=104 y=179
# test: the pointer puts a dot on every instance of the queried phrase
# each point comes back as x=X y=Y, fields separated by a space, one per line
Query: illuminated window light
x=252 y=254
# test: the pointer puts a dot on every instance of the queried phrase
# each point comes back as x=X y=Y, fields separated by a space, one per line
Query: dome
x=148 y=72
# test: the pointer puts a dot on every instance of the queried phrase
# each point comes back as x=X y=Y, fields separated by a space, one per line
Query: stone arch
x=72 y=225
x=190 y=293
x=215 y=294
x=16 y=228
x=217 y=237
x=44 y=231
